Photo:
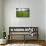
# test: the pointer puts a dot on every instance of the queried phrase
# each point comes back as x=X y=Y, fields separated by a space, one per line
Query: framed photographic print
x=22 y=12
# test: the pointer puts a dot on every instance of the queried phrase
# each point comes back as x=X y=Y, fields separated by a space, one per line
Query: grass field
x=22 y=13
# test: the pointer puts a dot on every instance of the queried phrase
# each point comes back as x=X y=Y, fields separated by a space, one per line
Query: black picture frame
x=22 y=12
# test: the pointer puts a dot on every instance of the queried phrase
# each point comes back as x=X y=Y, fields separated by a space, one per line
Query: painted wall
x=45 y=19
x=36 y=15
x=0 y=18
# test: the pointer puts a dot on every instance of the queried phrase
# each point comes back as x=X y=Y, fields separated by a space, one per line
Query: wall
x=45 y=19
x=36 y=15
x=0 y=18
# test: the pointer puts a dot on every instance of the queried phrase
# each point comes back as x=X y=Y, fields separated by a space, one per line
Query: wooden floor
x=40 y=42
